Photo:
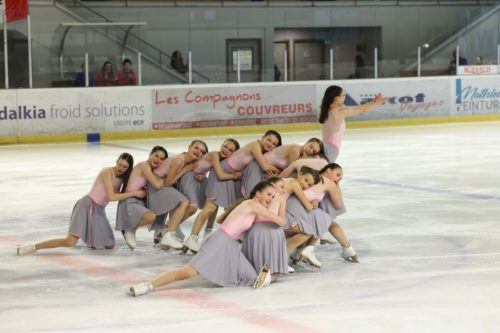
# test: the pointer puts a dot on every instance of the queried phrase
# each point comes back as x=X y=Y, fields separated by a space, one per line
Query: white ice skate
x=141 y=289
x=264 y=278
x=327 y=238
x=170 y=241
x=23 y=249
x=192 y=244
x=349 y=254
x=179 y=234
x=291 y=269
x=308 y=256
x=129 y=236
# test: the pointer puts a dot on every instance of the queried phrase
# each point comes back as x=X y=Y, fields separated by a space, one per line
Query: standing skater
x=332 y=118
x=88 y=219
x=193 y=184
x=220 y=259
x=133 y=212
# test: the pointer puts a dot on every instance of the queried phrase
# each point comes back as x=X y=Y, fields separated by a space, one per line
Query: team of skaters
x=278 y=202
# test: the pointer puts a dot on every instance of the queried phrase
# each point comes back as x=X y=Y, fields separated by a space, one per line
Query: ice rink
x=423 y=213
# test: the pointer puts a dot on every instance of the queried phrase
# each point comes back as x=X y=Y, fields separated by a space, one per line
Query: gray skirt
x=164 y=199
x=221 y=261
x=129 y=213
x=223 y=192
x=252 y=175
x=331 y=152
x=315 y=222
x=193 y=189
x=327 y=206
x=265 y=243
x=90 y=224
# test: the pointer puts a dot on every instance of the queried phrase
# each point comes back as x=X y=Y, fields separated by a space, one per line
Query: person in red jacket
x=127 y=77
x=106 y=76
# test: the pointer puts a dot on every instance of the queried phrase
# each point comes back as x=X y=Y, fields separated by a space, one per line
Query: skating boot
x=327 y=238
x=264 y=278
x=192 y=244
x=179 y=234
x=349 y=254
x=141 y=289
x=129 y=236
x=308 y=256
x=23 y=249
x=170 y=241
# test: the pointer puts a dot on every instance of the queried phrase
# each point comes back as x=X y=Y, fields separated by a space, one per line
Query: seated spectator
x=127 y=77
x=452 y=69
x=106 y=76
x=479 y=61
x=80 y=78
x=177 y=62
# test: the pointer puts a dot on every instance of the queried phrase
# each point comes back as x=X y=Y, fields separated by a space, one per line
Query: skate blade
x=352 y=259
x=307 y=261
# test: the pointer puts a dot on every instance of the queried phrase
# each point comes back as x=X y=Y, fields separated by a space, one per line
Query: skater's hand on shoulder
x=140 y=194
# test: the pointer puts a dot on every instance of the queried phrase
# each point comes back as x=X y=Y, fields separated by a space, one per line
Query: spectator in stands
x=277 y=73
x=127 y=77
x=177 y=62
x=479 y=61
x=80 y=78
x=452 y=69
x=359 y=67
x=106 y=76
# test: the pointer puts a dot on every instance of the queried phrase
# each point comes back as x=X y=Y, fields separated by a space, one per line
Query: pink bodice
x=315 y=192
x=203 y=165
x=136 y=181
x=278 y=157
x=98 y=191
x=237 y=223
x=239 y=160
x=330 y=133
x=162 y=170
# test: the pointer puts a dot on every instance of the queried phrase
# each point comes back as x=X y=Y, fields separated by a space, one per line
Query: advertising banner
x=476 y=96
x=8 y=124
x=80 y=110
x=478 y=70
x=233 y=105
x=413 y=98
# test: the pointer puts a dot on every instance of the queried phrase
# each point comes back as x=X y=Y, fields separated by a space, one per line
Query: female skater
x=88 y=219
x=280 y=157
x=166 y=199
x=265 y=241
x=332 y=118
x=133 y=213
x=224 y=192
x=193 y=185
x=220 y=259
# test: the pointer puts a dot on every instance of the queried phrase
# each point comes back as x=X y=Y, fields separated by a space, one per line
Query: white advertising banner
x=411 y=98
x=476 y=96
x=8 y=122
x=478 y=70
x=233 y=105
x=68 y=111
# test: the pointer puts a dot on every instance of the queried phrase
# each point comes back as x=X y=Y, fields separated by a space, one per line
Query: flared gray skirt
x=90 y=224
x=221 y=261
x=129 y=213
x=223 y=192
x=164 y=199
x=315 y=222
x=331 y=152
x=265 y=243
x=193 y=189
x=327 y=206
x=252 y=175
